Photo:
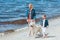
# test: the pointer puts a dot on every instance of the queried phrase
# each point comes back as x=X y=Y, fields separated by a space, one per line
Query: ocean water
x=11 y=10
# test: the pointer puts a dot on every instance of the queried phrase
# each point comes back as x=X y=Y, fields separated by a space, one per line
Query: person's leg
x=29 y=29
x=43 y=34
x=32 y=28
x=32 y=32
x=46 y=33
x=29 y=33
x=43 y=31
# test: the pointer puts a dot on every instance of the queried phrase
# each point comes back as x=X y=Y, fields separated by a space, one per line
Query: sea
x=12 y=10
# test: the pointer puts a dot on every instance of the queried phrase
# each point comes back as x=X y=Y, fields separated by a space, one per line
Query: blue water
x=11 y=10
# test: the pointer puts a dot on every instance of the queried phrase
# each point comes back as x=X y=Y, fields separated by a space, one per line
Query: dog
x=35 y=28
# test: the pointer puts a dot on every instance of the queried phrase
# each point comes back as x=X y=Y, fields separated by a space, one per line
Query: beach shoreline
x=22 y=34
x=51 y=19
x=11 y=27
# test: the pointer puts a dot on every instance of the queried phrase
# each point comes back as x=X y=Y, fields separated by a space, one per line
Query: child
x=44 y=26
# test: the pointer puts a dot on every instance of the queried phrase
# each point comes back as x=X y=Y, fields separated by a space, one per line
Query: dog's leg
x=35 y=33
x=30 y=33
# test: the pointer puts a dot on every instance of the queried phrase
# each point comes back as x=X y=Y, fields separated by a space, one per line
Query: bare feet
x=45 y=36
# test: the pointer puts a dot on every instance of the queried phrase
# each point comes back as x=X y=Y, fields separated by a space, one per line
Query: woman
x=31 y=16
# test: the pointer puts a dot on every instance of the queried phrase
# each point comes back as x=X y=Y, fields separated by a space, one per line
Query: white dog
x=35 y=28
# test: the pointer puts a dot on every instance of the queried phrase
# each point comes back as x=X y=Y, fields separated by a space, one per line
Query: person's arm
x=34 y=15
x=47 y=23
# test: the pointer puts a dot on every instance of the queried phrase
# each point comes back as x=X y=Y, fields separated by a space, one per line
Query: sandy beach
x=53 y=32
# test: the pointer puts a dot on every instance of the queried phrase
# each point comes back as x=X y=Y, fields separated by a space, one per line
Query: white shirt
x=30 y=14
x=43 y=22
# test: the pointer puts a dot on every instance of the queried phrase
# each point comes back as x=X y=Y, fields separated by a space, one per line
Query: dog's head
x=32 y=26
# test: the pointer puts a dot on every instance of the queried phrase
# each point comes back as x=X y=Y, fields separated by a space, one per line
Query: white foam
x=1 y=34
x=21 y=29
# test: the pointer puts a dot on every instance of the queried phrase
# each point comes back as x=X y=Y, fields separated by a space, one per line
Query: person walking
x=31 y=16
x=44 y=25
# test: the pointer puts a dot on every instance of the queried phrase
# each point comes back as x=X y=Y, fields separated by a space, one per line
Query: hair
x=31 y=5
x=44 y=15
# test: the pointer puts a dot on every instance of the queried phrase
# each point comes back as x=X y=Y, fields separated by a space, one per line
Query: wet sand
x=22 y=21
